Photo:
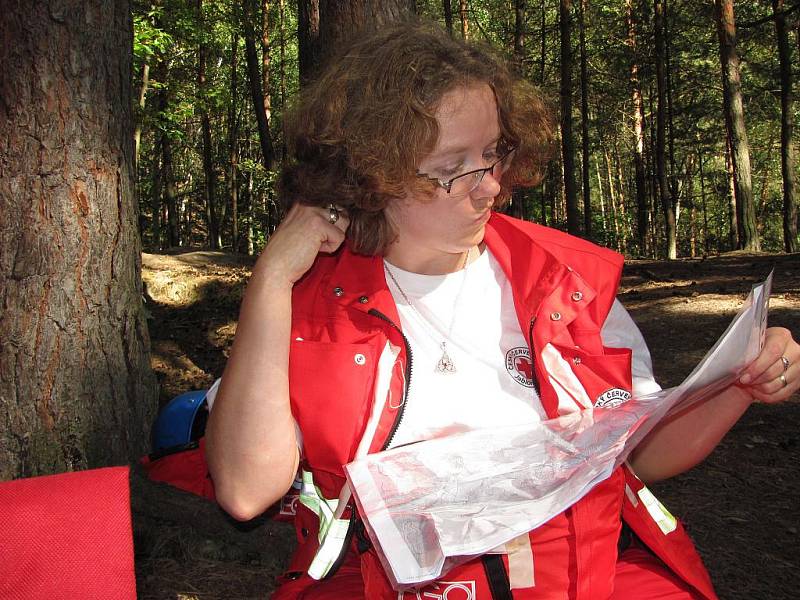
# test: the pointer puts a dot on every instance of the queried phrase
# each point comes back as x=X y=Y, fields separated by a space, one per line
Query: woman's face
x=434 y=232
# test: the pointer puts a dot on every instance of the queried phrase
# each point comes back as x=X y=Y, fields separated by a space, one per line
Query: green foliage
x=168 y=35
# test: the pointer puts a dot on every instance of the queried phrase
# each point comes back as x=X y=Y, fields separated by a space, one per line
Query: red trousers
x=640 y=576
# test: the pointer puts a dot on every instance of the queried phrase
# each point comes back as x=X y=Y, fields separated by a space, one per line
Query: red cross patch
x=520 y=366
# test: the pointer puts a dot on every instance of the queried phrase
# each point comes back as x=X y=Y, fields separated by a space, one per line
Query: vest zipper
x=408 y=369
x=363 y=545
x=534 y=378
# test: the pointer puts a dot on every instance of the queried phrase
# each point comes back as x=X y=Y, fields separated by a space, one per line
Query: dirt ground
x=740 y=506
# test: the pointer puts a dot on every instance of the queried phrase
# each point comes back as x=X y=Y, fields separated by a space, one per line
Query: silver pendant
x=445 y=365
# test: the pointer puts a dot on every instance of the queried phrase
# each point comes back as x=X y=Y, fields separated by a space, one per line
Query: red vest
x=343 y=314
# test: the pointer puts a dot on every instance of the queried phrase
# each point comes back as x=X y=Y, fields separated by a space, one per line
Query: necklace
x=445 y=364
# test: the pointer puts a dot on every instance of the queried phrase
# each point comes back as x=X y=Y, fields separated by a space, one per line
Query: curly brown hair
x=359 y=132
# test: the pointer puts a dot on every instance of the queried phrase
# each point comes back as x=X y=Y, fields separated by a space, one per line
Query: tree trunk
x=654 y=196
x=706 y=246
x=601 y=194
x=642 y=215
x=642 y=212
x=447 y=9
x=692 y=206
x=265 y=50
x=170 y=193
x=567 y=140
x=734 y=119
x=462 y=10
x=664 y=189
x=75 y=380
x=256 y=92
x=323 y=25
x=210 y=179
x=166 y=174
x=733 y=220
x=673 y=172
x=233 y=144
x=613 y=197
x=308 y=44
x=626 y=231
x=137 y=133
x=157 y=184
x=587 y=197
x=282 y=19
x=543 y=43
x=519 y=36
x=790 y=242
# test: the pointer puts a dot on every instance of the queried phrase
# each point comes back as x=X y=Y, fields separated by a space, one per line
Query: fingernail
x=745 y=378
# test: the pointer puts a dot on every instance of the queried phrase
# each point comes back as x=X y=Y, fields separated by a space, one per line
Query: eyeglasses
x=465 y=183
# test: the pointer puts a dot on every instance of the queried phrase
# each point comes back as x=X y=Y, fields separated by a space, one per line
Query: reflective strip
x=332 y=529
x=666 y=522
x=313 y=500
x=520 y=562
x=330 y=549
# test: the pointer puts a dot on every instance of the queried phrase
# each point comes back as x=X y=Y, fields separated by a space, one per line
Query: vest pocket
x=606 y=378
x=330 y=386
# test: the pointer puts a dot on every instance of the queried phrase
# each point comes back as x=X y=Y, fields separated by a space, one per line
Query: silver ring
x=785 y=362
x=783 y=380
x=333 y=214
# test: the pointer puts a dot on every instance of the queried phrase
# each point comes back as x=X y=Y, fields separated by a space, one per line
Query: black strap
x=497 y=577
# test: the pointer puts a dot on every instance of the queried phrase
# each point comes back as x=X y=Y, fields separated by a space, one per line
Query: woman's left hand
x=775 y=373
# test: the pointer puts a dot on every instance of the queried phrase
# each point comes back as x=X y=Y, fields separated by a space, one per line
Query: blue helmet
x=180 y=422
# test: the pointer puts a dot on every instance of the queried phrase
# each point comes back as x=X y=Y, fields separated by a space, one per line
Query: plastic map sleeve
x=432 y=505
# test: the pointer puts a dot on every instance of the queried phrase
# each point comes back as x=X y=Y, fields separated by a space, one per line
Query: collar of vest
x=542 y=264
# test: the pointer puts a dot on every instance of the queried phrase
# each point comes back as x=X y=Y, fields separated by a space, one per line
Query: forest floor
x=740 y=505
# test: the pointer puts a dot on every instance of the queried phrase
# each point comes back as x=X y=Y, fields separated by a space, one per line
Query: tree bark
x=587 y=196
x=567 y=139
x=76 y=389
x=323 y=25
x=664 y=189
x=790 y=242
x=734 y=119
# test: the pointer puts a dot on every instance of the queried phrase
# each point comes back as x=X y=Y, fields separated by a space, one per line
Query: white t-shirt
x=492 y=384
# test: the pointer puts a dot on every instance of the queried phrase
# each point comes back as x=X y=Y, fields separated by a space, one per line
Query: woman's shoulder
x=559 y=243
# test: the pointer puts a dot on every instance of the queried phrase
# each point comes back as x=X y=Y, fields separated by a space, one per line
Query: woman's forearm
x=683 y=440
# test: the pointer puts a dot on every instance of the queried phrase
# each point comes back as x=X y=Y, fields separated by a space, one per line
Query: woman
x=393 y=290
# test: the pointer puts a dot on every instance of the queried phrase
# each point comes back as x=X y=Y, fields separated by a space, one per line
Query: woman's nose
x=489 y=186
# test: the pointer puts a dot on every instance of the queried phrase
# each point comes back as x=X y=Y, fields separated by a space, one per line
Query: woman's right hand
x=303 y=233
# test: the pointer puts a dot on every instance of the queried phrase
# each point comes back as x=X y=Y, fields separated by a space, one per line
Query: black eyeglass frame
x=447 y=185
